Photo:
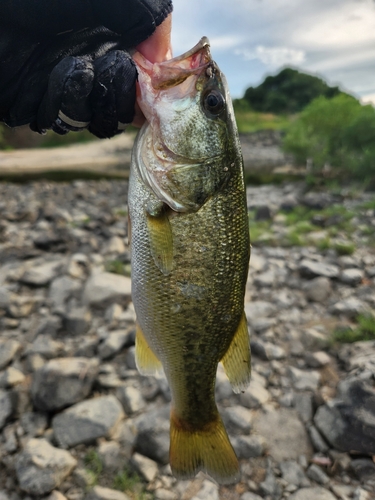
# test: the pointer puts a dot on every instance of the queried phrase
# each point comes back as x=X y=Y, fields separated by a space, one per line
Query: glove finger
x=113 y=95
x=66 y=104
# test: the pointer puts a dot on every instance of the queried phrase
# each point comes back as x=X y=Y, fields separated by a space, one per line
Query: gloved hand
x=98 y=95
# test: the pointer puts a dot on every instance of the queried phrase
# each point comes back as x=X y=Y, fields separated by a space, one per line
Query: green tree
x=339 y=132
x=288 y=92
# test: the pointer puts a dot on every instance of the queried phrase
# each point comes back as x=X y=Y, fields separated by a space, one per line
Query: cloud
x=273 y=56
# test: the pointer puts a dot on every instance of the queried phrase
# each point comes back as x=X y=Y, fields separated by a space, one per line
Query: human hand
x=98 y=94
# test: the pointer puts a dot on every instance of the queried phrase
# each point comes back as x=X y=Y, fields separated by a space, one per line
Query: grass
x=344 y=248
x=363 y=331
x=251 y=121
x=117 y=267
x=130 y=483
x=94 y=466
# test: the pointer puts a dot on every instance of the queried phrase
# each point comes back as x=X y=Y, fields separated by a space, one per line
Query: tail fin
x=208 y=450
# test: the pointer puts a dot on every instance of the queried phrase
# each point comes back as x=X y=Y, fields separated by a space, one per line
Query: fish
x=190 y=252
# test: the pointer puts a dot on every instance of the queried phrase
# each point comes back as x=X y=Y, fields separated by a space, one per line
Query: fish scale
x=189 y=272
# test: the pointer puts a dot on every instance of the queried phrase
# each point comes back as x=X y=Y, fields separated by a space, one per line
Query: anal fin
x=145 y=359
x=161 y=239
x=237 y=359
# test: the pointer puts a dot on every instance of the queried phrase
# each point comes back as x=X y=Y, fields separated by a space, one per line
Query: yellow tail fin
x=207 y=449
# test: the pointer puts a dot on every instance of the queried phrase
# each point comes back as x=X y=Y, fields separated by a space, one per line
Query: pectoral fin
x=161 y=239
x=145 y=359
x=237 y=359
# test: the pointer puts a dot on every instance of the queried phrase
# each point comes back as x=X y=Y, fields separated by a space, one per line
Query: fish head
x=184 y=150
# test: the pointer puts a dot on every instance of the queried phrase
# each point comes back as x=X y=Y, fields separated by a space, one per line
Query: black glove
x=98 y=95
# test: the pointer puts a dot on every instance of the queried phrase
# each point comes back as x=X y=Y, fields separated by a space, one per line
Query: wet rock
x=63 y=382
x=87 y=421
x=8 y=349
x=348 y=422
x=106 y=288
x=41 y=467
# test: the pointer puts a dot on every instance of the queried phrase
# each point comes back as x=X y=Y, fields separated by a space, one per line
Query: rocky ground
x=76 y=419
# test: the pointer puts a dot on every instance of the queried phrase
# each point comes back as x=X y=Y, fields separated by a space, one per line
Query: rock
x=61 y=290
x=250 y=496
x=293 y=473
x=11 y=377
x=114 y=342
x=100 y=493
x=237 y=419
x=8 y=349
x=270 y=486
x=361 y=494
x=348 y=423
x=46 y=347
x=146 y=468
x=313 y=339
x=315 y=473
x=34 y=423
x=153 y=435
x=259 y=309
x=208 y=491
x=317 y=441
x=131 y=399
x=285 y=435
x=304 y=405
x=21 y=306
x=105 y=288
x=317 y=359
x=255 y=395
x=364 y=469
x=351 y=277
x=87 y=421
x=316 y=493
x=56 y=495
x=6 y=407
x=110 y=455
x=248 y=446
x=41 y=274
x=263 y=212
x=40 y=467
x=77 y=321
x=318 y=289
x=311 y=269
x=304 y=380
x=359 y=355
x=62 y=382
x=317 y=201
x=4 y=298
x=114 y=245
x=350 y=307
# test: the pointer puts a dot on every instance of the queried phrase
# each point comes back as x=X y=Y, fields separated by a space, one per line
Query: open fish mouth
x=174 y=71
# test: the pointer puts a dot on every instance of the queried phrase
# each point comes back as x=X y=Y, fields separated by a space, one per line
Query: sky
x=333 y=39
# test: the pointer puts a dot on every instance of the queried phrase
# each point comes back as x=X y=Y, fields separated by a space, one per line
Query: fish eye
x=213 y=102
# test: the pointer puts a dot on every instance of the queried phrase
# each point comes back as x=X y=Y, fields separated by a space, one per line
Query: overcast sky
x=334 y=39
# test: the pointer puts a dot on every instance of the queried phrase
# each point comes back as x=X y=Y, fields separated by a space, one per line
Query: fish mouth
x=174 y=71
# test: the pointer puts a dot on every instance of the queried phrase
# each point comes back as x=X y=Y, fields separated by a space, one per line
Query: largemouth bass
x=190 y=251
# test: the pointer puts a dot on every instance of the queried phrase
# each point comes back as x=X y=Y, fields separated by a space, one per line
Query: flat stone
x=62 y=382
x=316 y=493
x=87 y=421
x=8 y=349
x=304 y=380
x=352 y=277
x=41 y=467
x=100 y=493
x=311 y=269
x=131 y=399
x=146 y=467
x=103 y=289
x=285 y=435
x=41 y=274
